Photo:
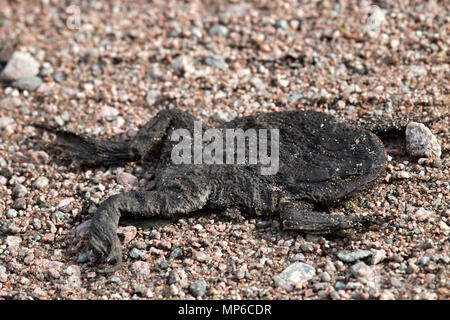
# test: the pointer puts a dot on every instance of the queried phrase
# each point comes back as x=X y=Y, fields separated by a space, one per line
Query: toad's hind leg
x=89 y=150
x=167 y=204
x=300 y=216
x=157 y=130
x=94 y=152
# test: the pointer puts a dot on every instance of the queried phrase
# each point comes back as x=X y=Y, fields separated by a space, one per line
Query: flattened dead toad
x=321 y=160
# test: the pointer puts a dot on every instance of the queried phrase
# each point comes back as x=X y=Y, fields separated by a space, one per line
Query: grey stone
x=420 y=141
x=325 y=277
x=221 y=115
x=83 y=257
x=183 y=64
x=57 y=215
x=4 y=228
x=297 y=257
x=197 y=32
x=216 y=61
x=339 y=285
x=422 y=261
x=295 y=97
x=126 y=179
x=37 y=223
x=11 y=213
x=21 y=64
x=141 y=269
x=172 y=278
x=307 y=247
x=352 y=256
x=296 y=274
x=334 y=295
x=164 y=265
x=27 y=83
x=139 y=288
x=361 y=270
x=405 y=89
x=152 y=97
x=58 y=77
x=13 y=242
x=46 y=71
x=40 y=183
x=378 y=256
x=20 y=190
x=352 y=285
x=418 y=70
x=135 y=253
x=281 y=24
x=198 y=288
x=5 y=122
x=20 y=204
x=218 y=30
x=114 y=280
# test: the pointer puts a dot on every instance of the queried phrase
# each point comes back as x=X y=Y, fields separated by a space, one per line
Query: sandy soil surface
x=107 y=67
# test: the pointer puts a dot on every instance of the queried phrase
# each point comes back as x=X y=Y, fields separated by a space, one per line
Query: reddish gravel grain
x=127 y=60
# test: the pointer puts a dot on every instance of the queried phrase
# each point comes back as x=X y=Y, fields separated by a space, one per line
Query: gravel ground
x=109 y=72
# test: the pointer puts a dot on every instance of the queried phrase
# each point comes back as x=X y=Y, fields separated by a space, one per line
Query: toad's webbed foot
x=179 y=197
x=103 y=233
x=106 y=244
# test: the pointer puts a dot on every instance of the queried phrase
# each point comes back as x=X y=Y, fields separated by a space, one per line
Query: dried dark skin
x=321 y=160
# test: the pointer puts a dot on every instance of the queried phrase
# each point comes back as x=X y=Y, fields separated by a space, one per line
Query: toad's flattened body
x=321 y=160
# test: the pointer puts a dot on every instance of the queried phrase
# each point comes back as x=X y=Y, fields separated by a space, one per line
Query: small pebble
x=307 y=247
x=140 y=269
x=404 y=175
x=13 y=243
x=352 y=256
x=378 y=256
x=11 y=213
x=58 y=77
x=135 y=253
x=422 y=214
x=114 y=280
x=361 y=270
x=20 y=190
x=41 y=183
x=297 y=257
x=281 y=24
x=27 y=83
x=325 y=277
x=198 y=288
x=152 y=97
x=21 y=64
x=218 y=30
x=296 y=274
x=57 y=215
x=216 y=61
x=176 y=253
x=83 y=257
x=420 y=141
x=340 y=285
x=197 y=32
x=126 y=179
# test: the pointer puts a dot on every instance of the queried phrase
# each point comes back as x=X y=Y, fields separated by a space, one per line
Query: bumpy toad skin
x=321 y=160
